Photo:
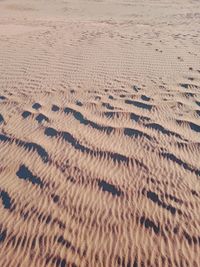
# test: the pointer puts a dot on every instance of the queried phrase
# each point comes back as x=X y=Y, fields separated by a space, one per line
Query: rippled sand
x=99 y=133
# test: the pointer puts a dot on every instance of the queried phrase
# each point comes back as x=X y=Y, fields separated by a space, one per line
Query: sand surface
x=99 y=133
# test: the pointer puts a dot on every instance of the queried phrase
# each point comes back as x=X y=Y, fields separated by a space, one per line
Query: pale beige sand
x=99 y=133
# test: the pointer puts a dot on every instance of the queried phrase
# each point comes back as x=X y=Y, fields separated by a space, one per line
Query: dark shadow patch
x=145 y=98
x=108 y=106
x=40 y=118
x=122 y=96
x=187 y=85
x=97 y=98
x=48 y=219
x=51 y=132
x=111 y=97
x=24 y=214
x=135 y=263
x=13 y=241
x=126 y=262
x=26 y=114
x=25 y=174
x=36 y=106
x=161 y=129
x=71 y=179
x=192 y=125
x=173 y=198
x=4 y=138
x=136 y=88
x=35 y=147
x=1 y=119
x=63 y=263
x=6 y=200
x=192 y=240
x=78 y=103
x=181 y=163
x=139 y=104
x=106 y=187
x=2 y=97
x=136 y=133
x=55 y=198
x=154 y=197
x=196 y=240
x=71 y=140
x=117 y=157
x=198 y=103
x=194 y=193
x=188 y=94
x=55 y=108
x=187 y=237
x=78 y=116
x=3 y=235
x=137 y=118
x=59 y=223
x=190 y=78
x=111 y=114
x=58 y=261
x=175 y=230
x=148 y=224
x=64 y=242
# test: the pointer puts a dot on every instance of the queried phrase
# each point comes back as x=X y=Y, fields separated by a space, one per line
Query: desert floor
x=99 y=133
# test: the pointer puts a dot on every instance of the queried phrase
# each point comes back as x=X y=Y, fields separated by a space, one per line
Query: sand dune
x=99 y=133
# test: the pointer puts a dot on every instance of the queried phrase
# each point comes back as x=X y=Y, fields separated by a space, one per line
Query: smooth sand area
x=100 y=133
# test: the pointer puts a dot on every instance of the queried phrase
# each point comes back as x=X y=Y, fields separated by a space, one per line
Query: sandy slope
x=99 y=133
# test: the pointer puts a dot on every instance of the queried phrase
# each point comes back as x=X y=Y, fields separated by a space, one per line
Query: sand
x=99 y=133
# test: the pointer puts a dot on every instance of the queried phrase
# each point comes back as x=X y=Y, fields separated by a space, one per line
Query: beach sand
x=99 y=133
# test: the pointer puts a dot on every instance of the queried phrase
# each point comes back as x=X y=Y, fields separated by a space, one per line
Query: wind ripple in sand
x=28 y=146
x=6 y=200
x=26 y=174
x=116 y=157
x=99 y=134
x=78 y=116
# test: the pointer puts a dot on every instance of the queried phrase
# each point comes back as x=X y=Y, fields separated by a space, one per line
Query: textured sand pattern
x=99 y=133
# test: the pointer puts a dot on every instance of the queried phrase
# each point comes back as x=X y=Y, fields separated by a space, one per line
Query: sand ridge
x=99 y=133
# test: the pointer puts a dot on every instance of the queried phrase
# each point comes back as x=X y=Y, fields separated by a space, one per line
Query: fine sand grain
x=100 y=133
